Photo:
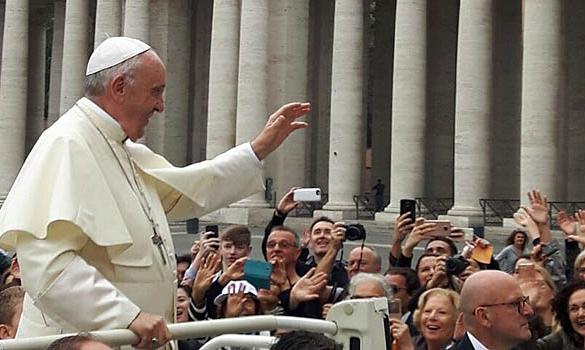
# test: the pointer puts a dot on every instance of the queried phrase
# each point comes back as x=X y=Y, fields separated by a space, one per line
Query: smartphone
x=395 y=308
x=408 y=205
x=214 y=229
x=443 y=228
x=307 y=195
x=526 y=271
x=258 y=272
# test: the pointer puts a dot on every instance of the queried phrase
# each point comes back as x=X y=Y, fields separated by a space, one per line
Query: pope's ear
x=118 y=87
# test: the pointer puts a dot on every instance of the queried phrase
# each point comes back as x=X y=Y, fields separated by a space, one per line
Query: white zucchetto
x=113 y=51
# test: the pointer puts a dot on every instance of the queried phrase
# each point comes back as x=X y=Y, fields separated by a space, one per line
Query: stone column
x=288 y=57
x=321 y=21
x=108 y=20
x=136 y=19
x=223 y=77
x=56 y=61
x=252 y=79
x=201 y=32
x=472 y=112
x=35 y=123
x=345 y=139
x=409 y=105
x=13 y=92
x=176 y=121
x=575 y=107
x=542 y=98
x=75 y=52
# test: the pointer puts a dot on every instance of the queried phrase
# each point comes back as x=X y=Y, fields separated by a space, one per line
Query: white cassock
x=82 y=215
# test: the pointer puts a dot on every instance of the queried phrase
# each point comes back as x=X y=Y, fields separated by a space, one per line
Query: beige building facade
x=452 y=99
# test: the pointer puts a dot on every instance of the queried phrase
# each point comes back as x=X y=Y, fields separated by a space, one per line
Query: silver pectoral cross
x=157 y=241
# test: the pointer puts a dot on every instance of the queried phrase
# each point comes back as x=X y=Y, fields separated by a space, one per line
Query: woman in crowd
x=580 y=267
x=183 y=303
x=514 y=249
x=569 y=308
x=435 y=319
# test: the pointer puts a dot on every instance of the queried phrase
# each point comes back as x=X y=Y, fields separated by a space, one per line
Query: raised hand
x=521 y=217
x=566 y=223
x=580 y=217
x=287 y=203
x=235 y=302
x=539 y=207
x=401 y=334
x=234 y=272
x=278 y=277
x=337 y=236
x=307 y=288
x=204 y=277
x=280 y=124
x=403 y=225
x=419 y=232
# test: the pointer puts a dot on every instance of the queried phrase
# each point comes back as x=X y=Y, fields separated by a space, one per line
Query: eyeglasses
x=520 y=304
x=283 y=244
x=396 y=289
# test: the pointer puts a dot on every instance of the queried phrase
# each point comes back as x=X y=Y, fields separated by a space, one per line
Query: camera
x=456 y=265
x=355 y=232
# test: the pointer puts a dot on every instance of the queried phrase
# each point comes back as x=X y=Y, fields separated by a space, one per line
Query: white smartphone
x=307 y=195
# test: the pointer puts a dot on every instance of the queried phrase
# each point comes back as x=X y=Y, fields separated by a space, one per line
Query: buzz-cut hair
x=9 y=299
x=290 y=230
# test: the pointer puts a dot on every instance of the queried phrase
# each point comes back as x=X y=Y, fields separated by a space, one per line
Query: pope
x=88 y=211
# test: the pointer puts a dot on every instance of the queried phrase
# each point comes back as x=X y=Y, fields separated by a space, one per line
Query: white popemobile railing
x=357 y=324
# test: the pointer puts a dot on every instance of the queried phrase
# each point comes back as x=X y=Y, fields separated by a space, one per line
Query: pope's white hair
x=95 y=84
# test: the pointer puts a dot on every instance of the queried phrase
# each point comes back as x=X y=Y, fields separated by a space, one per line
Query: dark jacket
x=463 y=344
x=559 y=340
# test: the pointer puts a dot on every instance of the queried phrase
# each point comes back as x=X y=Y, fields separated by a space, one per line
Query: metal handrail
x=239 y=340
x=246 y=324
x=569 y=207
x=362 y=200
x=433 y=206
x=490 y=209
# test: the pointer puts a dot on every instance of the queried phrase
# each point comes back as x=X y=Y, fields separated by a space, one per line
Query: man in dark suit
x=495 y=313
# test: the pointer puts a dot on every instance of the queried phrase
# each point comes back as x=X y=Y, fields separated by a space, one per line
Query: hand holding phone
x=307 y=195
x=442 y=228
x=213 y=229
x=408 y=206
x=258 y=272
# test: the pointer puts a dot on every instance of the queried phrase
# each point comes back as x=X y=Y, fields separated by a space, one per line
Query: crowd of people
x=521 y=299
x=528 y=296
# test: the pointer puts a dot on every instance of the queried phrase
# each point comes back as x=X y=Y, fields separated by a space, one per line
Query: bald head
x=494 y=309
x=484 y=287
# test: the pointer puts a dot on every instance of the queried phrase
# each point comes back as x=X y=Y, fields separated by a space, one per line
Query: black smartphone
x=408 y=205
x=214 y=229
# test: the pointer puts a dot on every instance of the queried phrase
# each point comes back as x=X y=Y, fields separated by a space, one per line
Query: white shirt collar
x=477 y=345
x=105 y=122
